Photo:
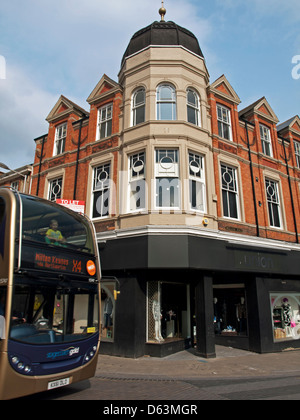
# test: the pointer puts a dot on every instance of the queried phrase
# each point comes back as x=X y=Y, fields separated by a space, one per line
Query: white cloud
x=23 y=108
x=56 y=47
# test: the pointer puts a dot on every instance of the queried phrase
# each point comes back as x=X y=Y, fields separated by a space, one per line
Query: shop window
x=230 y=311
x=168 y=312
x=108 y=311
x=285 y=311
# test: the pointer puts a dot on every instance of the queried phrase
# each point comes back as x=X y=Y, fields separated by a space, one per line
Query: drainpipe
x=40 y=166
x=290 y=186
x=77 y=158
x=252 y=178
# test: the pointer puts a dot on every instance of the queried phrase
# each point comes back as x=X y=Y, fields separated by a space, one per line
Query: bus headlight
x=27 y=369
x=89 y=354
x=15 y=360
x=21 y=365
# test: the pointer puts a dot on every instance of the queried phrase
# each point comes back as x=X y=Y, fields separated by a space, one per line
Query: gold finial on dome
x=162 y=11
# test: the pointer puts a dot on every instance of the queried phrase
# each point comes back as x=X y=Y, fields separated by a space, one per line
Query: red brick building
x=196 y=203
x=266 y=157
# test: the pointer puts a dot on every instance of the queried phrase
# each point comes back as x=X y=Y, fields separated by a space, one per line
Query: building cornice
x=231 y=238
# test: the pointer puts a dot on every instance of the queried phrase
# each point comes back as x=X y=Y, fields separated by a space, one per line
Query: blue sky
x=54 y=47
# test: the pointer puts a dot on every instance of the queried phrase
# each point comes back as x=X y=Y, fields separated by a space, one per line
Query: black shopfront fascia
x=203 y=262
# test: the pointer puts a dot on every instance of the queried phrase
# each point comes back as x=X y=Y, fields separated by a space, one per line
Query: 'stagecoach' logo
x=68 y=352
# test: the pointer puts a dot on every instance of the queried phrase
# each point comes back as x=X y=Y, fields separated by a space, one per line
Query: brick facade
x=195 y=207
x=243 y=152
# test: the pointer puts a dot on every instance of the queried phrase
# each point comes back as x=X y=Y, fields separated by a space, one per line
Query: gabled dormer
x=224 y=101
x=61 y=117
x=261 y=108
x=290 y=127
x=105 y=101
x=105 y=88
x=290 y=130
x=264 y=118
x=63 y=109
x=223 y=89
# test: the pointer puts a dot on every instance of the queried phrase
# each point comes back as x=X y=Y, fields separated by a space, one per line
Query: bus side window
x=2 y=327
x=2 y=209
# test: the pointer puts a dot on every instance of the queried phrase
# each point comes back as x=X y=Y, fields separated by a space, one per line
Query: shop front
x=186 y=289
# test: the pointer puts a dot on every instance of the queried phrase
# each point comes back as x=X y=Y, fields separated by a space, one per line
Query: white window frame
x=105 y=116
x=167 y=181
x=197 y=186
x=101 y=190
x=194 y=107
x=15 y=185
x=230 y=188
x=60 y=139
x=170 y=102
x=55 y=188
x=297 y=153
x=137 y=182
x=138 y=107
x=273 y=202
x=265 y=137
x=224 y=122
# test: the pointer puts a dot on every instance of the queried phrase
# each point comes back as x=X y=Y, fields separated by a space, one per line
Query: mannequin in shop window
x=108 y=312
x=224 y=315
x=287 y=316
x=217 y=319
x=156 y=311
x=241 y=315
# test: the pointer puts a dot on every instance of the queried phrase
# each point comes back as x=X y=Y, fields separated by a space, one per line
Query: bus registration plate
x=58 y=383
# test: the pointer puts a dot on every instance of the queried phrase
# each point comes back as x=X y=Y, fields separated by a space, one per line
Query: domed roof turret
x=163 y=34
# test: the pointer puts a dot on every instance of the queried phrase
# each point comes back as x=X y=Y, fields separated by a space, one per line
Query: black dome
x=162 y=33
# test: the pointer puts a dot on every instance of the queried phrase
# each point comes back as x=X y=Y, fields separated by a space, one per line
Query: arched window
x=138 y=106
x=193 y=107
x=166 y=102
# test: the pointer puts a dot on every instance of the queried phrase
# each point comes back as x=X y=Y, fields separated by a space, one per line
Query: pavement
x=229 y=362
x=184 y=376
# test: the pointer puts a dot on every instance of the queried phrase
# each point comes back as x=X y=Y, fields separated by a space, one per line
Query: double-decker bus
x=49 y=295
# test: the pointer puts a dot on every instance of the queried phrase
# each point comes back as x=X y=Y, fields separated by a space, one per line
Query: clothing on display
x=285 y=316
x=108 y=312
x=230 y=311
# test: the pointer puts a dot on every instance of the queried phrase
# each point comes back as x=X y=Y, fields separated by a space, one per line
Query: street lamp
x=3 y=166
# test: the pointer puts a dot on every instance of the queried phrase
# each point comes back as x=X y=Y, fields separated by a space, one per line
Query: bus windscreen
x=53 y=226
